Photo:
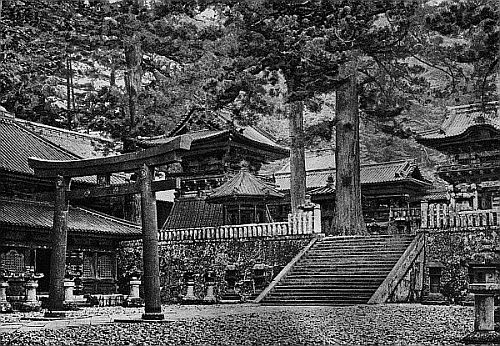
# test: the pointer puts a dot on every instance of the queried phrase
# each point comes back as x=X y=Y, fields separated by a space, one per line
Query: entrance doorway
x=42 y=265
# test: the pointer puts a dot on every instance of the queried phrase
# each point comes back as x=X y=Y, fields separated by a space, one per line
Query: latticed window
x=88 y=265
x=13 y=261
x=104 y=266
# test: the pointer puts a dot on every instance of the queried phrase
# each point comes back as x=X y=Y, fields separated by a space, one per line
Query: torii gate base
x=142 y=162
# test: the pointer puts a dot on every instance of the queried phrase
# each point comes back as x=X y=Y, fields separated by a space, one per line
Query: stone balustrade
x=302 y=223
x=441 y=216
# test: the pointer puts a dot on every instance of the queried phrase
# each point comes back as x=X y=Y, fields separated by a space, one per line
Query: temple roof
x=81 y=144
x=39 y=215
x=247 y=135
x=243 y=186
x=220 y=126
x=320 y=173
x=19 y=143
x=20 y=139
x=194 y=212
x=460 y=119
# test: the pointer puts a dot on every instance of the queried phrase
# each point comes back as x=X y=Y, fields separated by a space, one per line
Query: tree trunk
x=297 y=159
x=133 y=76
x=68 y=93
x=348 y=216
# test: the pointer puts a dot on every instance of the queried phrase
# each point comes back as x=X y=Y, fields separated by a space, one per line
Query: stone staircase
x=339 y=271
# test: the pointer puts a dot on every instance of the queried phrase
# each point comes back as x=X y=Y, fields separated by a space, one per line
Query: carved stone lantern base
x=5 y=307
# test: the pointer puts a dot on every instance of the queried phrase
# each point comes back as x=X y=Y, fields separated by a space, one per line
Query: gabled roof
x=314 y=160
x=17 y=144
x=246 y=135
x=33 y=215
x=319 y=173
x=194 y=212
x=223 y=127
x=20 y=139
x=243 y=186
x=460 y=119
x=78 y=143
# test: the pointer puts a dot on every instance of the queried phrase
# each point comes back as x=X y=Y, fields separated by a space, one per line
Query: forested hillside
x=128 y=68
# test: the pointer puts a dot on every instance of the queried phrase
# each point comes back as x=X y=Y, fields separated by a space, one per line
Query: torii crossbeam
x=142 y=162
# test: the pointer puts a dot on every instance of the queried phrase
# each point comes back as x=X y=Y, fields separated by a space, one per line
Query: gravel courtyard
x=252 y=325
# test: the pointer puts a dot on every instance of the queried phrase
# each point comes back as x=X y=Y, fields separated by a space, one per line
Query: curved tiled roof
x=39 y=215
x=244 y=186
x=194 y=212
x=20 y=139
x=17 y=144
x=461 y=118
x=248 y=134
x=81 y=144
x=318 y=176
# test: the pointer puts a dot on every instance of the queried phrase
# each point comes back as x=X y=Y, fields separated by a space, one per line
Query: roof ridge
x=22 y=200
x=106 y=216
x=59 y=129
x=43 y=139
x=474 y=105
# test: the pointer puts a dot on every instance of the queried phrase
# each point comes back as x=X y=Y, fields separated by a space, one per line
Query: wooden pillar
x=151 y=263
x=59 y=245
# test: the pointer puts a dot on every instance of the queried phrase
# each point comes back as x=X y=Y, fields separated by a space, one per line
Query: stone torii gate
x=143 y=162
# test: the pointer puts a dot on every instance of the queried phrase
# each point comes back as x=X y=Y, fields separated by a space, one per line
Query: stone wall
x=177 y=257
x=453 y=250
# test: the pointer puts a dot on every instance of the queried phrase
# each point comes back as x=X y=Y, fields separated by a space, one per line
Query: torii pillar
x=59 y=245
x=151 y=262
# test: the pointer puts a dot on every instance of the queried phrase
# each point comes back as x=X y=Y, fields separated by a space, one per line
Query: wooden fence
x=308 y=222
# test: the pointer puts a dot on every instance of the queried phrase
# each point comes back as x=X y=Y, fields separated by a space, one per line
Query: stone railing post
x=317 y=219
x=424 y=207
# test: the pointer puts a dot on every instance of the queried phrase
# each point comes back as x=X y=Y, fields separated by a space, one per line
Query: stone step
x=312 y=302
x=331 y=282
x=324 y=290
x=343 y=298
x=328 y=248
x=339 y=271
x=371 y=242
x=338 y=257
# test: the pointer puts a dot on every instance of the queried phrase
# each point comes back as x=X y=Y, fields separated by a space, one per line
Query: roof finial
x=244 y=166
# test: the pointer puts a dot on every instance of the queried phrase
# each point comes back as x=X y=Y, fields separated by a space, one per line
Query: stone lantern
x=5 y=306
x=31 y=284
x=260 y=275
x=231 y=276
x=210 y=282
x=485 y=285
x=189 y=281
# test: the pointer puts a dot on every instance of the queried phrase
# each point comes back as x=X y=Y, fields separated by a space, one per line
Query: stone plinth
x=190 y=291
x=210 y=296
x=30 y=303
x=69 y=287
x=4 y=304
x=134 y=288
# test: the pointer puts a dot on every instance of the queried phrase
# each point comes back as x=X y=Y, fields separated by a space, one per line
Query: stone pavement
x=248 y=324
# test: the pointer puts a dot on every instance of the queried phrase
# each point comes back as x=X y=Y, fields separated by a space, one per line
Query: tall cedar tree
x=315 y=45
x=126 y=38
x=468 y=48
